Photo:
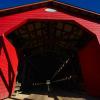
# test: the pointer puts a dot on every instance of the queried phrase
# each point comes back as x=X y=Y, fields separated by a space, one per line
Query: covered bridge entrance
x=55 y=49
x=48 y=53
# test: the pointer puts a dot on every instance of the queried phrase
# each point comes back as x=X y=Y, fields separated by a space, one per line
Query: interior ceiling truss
x=44 y=36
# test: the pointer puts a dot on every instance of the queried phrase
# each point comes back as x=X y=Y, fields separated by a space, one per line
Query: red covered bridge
x=56 y=31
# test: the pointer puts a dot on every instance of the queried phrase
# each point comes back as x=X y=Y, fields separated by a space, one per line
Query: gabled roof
x=87 y=19
x=90 y=5
x=56 y=4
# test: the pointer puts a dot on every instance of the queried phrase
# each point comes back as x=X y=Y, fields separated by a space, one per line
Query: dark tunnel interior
x=47 y=50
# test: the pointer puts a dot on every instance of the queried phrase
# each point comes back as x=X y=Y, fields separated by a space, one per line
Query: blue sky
x=13 y=3
x=92 y=5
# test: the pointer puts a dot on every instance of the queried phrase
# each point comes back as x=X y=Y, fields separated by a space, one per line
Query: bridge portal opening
x=48 y=54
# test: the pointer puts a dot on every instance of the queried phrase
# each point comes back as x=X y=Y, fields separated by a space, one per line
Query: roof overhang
x=85 y=14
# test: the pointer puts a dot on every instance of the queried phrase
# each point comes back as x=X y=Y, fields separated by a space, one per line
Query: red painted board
x=89 y=57
x=8 y=68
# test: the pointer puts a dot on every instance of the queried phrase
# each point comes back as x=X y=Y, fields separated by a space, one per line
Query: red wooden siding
x=89 y=57
x=8 y=68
